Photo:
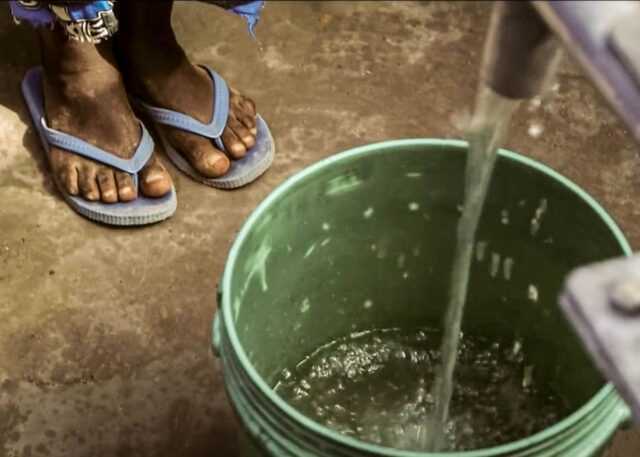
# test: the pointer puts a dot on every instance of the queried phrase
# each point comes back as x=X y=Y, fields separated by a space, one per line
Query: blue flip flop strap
x=187 y=123
x=80 y=147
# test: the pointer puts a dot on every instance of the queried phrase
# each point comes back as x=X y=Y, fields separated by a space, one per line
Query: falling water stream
x=487 y=129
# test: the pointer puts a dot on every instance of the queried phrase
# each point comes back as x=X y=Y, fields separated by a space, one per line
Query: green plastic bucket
x=377 y=224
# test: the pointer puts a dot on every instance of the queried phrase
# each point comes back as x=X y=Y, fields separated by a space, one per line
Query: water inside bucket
x=376 y=386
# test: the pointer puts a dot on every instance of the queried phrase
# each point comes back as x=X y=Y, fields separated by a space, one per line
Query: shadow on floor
x=20 y=51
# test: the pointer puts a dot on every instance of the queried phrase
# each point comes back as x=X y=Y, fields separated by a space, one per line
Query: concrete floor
x=104 y=334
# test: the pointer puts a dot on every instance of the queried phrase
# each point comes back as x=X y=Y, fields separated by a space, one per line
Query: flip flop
x=241 y=172
x=142 y=210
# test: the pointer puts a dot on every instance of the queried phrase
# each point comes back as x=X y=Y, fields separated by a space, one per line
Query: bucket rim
x=605 y=393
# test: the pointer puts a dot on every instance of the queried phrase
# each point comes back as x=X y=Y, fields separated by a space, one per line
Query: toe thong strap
x=77 y=146
x=187 y=123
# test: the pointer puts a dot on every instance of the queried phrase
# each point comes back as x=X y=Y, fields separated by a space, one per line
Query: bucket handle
x=216 y=337
x=216 y=330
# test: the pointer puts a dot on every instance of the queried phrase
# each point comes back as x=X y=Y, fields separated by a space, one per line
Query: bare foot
x=156 y=69
x=85 y=97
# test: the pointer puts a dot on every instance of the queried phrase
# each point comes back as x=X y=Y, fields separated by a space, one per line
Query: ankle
x=137 y=25
x=65 y=60
x=142 y=55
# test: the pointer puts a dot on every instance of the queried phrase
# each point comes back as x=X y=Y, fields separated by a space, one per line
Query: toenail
x=153 y=177
x=214 y=160
x=254 y=131
x=217 y=164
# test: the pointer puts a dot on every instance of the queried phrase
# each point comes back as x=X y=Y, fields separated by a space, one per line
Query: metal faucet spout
x=519 y=52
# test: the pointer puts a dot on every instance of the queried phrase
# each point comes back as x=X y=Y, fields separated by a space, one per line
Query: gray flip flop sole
x=141 y=211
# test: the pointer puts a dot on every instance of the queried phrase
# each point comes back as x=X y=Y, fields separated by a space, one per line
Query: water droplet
x=414 y=206
x=535 y=103
x=368 y=213
x=527 y=380
x=368 y=304
x=495 y=264
x=504 y=217
x=535 y=130
x=259 y=45
x=400 y=262
x=310 y=250
x=517 y=347
x=536 y=221
x=481 y=247
x=508 y=268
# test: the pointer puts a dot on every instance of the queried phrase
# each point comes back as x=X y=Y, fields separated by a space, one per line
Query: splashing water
x=375 y=386
x=488 y=126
